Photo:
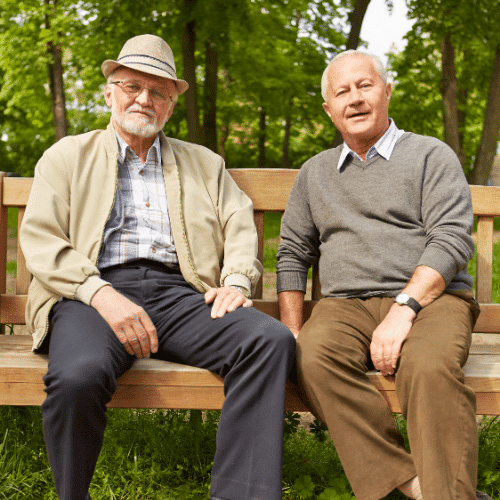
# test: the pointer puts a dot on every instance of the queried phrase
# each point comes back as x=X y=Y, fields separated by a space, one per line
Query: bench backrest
x=269 y=190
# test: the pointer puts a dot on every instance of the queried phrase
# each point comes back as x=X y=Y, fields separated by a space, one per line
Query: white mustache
x=141 y=109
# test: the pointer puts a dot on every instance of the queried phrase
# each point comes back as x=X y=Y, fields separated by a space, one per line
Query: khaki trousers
x=333 y=357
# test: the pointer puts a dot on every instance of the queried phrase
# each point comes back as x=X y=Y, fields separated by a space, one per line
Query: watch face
x=402 y=298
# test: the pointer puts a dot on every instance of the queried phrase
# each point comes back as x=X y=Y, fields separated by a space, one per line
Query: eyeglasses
x=134 y=89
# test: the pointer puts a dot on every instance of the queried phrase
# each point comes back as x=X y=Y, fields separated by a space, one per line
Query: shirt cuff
x=88 y=288
x=238 y=280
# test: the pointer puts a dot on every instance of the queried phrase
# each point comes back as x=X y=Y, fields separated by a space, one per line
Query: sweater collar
x=383 y=147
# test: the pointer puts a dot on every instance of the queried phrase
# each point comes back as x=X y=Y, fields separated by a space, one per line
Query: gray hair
x=377 y=64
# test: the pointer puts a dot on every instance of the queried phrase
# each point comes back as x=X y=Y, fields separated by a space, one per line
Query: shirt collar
x=122 y=147
x=384 y=146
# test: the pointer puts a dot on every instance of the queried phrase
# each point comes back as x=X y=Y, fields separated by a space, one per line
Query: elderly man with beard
x=142 y=245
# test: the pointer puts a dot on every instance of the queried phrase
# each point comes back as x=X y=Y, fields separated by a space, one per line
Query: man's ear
x=107 y=95
x=327 y=110
x=388 y=90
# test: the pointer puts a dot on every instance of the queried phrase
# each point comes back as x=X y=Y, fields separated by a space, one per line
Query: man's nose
x=355 y=97
x=144 y=97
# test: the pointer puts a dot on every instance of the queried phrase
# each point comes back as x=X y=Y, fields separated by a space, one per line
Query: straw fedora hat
x=149 y=54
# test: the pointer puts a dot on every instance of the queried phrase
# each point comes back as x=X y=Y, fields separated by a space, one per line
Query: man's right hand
x=131 y=324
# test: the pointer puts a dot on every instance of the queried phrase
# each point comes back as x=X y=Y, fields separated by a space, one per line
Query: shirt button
x=153 y=250
x=142 y=172
x=148 y=204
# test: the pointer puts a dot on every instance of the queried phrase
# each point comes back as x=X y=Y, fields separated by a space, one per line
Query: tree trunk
x=56 y=83
x=449 y=92
x=189 y=63
x=286 y=142
x=225 y=130
x=261 y=161
x=491 y=128
x=210 y=115
x=463 y=96
x=356 y=18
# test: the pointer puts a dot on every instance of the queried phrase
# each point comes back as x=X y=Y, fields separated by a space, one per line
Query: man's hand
x=425 y=286
x=131 y=324
x=388 y=338
x=225 y=299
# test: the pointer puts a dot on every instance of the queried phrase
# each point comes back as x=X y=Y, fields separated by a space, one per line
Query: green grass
x=495 y=271
x=12 y=215
x=272 y=225
x=167 y=455
x=12 y=220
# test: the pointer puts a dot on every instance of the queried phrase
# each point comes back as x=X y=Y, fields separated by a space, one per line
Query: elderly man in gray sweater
x=388 y=216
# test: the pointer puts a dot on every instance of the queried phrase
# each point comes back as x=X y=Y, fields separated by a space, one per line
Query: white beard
x=133 y=123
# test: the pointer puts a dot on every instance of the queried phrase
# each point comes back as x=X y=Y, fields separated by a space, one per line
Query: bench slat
x=23 y=277
x=486 y=200
x=162 y=384
x=12 y=309
x=267 y=188
x=12 y=312
x=484 y=258
x=16 y=191
x=489 y=319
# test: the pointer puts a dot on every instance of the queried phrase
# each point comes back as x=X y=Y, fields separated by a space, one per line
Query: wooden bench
x=159 y=384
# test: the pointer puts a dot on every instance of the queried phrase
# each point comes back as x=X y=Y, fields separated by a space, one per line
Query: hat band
x=152 y=62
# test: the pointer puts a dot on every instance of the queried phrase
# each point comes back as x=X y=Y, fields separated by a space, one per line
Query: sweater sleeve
x=446 y=213
x=299 y=246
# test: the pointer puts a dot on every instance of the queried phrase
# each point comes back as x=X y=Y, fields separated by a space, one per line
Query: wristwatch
x=242 y=289
x=403 y=299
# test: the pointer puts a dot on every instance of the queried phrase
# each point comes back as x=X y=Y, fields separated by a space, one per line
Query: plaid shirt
x=138 y=226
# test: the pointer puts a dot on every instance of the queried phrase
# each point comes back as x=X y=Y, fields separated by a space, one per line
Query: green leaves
x=339 y=489
x=417 y=100
x=304 y=487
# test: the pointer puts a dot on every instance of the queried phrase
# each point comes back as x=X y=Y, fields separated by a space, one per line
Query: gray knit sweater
x=372 y=223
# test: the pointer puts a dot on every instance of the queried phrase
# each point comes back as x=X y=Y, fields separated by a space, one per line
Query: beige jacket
x=71 y=199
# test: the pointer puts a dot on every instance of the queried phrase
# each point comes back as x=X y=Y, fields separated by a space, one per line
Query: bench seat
x=153 y=383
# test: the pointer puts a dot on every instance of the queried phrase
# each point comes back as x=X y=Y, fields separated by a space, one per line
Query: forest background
x=254 y=68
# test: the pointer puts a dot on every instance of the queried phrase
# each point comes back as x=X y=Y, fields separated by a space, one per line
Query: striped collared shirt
x=138 y=226
x=383 y=147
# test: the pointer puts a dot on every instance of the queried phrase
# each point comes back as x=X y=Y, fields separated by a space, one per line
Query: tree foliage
x=253 y=65
x=447 y=78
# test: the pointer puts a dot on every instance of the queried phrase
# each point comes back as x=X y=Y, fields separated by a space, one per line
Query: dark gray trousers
x=252 y=351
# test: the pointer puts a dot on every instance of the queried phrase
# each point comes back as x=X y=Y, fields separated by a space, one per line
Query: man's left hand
x=225 y=299
x=388 y=338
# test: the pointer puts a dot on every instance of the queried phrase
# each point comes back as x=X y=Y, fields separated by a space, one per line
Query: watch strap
x=405 y=299
x=413 y=304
